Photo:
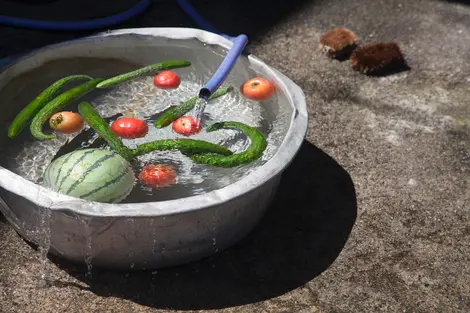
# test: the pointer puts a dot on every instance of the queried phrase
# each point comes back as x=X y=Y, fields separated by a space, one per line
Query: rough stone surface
x=372 y=216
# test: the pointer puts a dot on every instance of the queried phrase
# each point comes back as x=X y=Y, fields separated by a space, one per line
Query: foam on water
x=140 y=98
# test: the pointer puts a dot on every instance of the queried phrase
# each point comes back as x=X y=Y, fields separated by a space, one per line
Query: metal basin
x=155 y=234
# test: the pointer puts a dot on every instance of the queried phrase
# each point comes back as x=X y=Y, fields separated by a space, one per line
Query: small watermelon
x=91 y=174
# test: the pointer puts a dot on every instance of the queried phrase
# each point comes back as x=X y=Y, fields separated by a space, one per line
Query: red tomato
x=66 y=122
x=186 y=126
x=257 y=89
x=158 y=175
x=167 y=80
x=129 y=128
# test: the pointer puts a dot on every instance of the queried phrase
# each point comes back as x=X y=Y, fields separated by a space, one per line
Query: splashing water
x=198 y=110
x=140 y=98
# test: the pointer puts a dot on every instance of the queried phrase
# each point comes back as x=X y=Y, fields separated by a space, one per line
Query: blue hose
x=225 y=67
x=77 y=25
x=230 y=59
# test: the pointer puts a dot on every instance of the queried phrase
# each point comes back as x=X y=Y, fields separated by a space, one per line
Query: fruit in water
x=167 y=80
x=91 y=174
x=158 y=175
x=66 y=122
x=27 y=114
x=152 y=68
x=257 y=89
x=129 y=128
x=57 y=104
x=184 y=145
x=186 y=126
x=98 y=124
x=174 y=113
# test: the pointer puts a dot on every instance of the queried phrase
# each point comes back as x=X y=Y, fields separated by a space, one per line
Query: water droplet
x=214 y=230
x=88 y=247
x=44 y=234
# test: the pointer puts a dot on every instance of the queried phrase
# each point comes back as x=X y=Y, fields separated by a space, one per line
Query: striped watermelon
x=91 y=174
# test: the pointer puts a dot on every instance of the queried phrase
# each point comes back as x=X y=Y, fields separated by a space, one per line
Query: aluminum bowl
x=156 y=234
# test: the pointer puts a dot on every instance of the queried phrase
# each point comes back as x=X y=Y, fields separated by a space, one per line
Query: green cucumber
x=91 y=174
x=28 y=112
x=96 y=122
x=253 y=152
x=173 y=114
x=187 y=146
x=57 y=104
x=153 y=68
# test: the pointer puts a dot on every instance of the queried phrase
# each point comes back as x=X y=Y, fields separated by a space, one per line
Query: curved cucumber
x=253 y=152
x=91 y=174
x=188 y=146
x=161 y=66
x=57 y=104
x=96 y=122
x=185 y=145
x=174 y=113
x=28 y=112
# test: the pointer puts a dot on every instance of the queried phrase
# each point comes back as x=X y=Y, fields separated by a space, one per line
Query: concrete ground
x=373 y=215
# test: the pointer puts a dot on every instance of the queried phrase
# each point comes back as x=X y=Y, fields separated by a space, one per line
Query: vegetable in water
x=129 y=128
x=57 y=104
x=91 y=174
x=167 y=65
x=184 y=145
x=27 y=114
x=158 y=175
x=254 y=151
x=102 y=128
x=173 y=114
x=66 y=122
x=257 y=89
x=188 y=146
x=167 y=80
x=186 y=126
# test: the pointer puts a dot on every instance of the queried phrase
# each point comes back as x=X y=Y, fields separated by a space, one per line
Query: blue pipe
x=77 y=25
x=225 y=67
x=229 y=61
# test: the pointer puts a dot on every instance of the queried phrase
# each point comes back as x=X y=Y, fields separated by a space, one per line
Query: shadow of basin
x=303 y=233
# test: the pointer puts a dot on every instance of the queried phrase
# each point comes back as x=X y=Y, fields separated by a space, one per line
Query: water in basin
x=29 y=158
